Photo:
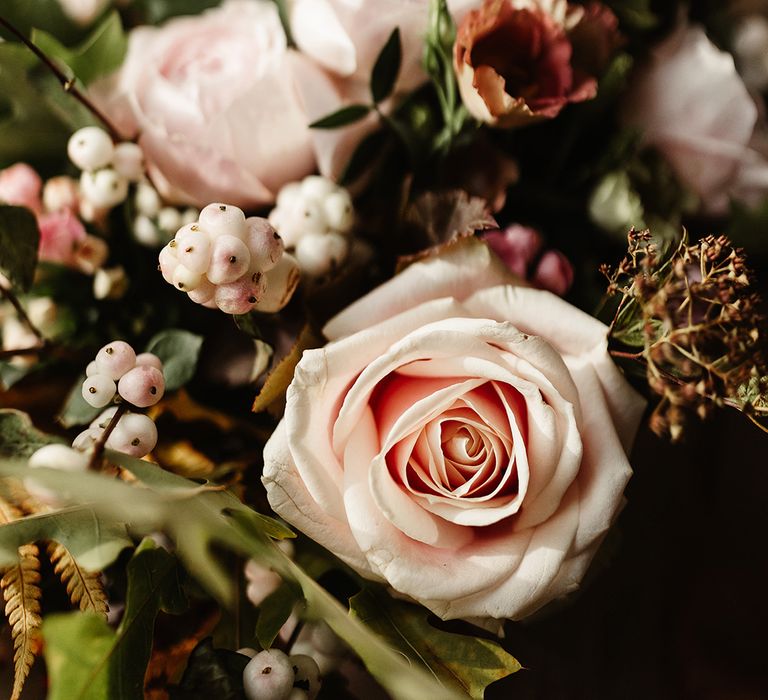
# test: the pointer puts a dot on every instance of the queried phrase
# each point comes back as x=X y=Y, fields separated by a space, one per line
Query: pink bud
x=554 y=273
x=517 y=246
x=61 y=236
x=20 y=186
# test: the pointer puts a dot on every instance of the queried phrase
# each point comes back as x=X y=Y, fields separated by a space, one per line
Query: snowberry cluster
x=315 y=217
x=273 y=675
x=108 y=168
x=137 y=380
x=226 y=261
x=155 y=223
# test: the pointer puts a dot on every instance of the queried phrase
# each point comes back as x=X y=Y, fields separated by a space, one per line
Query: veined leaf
x=18 y=437
x=274 y=610
x=468 y=663
x=179 y=351
x=84 y=588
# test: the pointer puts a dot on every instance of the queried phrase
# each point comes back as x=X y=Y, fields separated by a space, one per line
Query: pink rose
x=20 y=186
x=691 y=104
x=520 y=248
x=61 y=236
x=461 y=439
x=516 y=61
x=223 y=106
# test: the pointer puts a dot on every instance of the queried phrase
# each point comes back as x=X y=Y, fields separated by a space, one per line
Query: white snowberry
x=104 y=188
x=262 y=582
x=264 y=244
x=58 y=456
x=115 y=359
x=317 y=187
x=146 y=232
x=193 y=248
x=169 y=219
x=147 y=200
x=98 y=390
x=135 y=434
x=128 y=160
x=268 y=676
x=203 y=293
x=169 y=261
x=241 y=296
x=92 y=368
x=185 y=279
x=318 y=254
x=142 y=386
x=85 y=440
x=99 y=424
x=339 y=214
x=288 y=195
x=60 y=193
x=90 y=148
x=230 y=259
x=149 y=359
x=223 y=219
x=307 y=674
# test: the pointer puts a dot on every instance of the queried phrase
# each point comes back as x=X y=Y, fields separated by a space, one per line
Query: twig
x=98 y=448
x=626 y=355
x=22 y=313
x=66 y=82
x=20 y=352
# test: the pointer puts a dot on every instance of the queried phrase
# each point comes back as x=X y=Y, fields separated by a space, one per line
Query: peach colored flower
x=20 y=186
x=516 y=62
x=461 y=438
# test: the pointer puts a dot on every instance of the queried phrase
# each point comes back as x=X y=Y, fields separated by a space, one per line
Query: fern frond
x=21 y=591
x=83 y=587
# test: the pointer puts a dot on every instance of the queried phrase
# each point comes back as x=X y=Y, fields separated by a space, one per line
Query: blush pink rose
x=61 y=236
x=691 y=104
x=461 y=438
x=20 y=186
x=222 y=106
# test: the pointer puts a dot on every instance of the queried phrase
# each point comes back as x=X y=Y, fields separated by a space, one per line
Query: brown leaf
x=444 y=216
x=83 y=587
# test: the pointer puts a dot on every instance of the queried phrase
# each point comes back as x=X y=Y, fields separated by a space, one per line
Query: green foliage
x=466 y=663
x=637 y=15
x=179 y=351
x=99 y=54
x=212 y=673
x=342 y=117
x=386 y=68
x=274 y=610
x=18 y=437
x=44 y=14
x=115 y=662
x=19 y=240
x=158 y=11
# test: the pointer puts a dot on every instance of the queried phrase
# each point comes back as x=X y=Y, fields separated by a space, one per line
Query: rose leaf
x=386 y=68
x=342 y=117
x=468 y=663
x=19 y=240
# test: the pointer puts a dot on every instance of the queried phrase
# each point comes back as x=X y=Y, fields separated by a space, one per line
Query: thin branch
x=11 y=297
x=67 y=83
x=98 y=448
x=626 y=355
x=20 y=352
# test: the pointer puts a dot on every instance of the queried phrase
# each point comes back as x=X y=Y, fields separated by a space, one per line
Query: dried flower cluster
x=697 y=321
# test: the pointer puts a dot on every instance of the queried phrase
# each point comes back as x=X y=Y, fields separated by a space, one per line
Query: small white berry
x=268 y=676
x=189 y=216
x=92 y=368
x=230 y=259
x=104 y=188
x=318 y=254
x=149 y=359
x=135 y=434
x=339 y=214
x=307 y=674
x=241 y=296
x=142 y=386
x=169 y=219
x=193 y=248
x=85 y=440
x=98 y=390
x=262 y=582
x=57 y=456
x=317 y=187
x=110 y=283
x=203 y=293
x=223 y=219
x=99 y=424
x=147 y=200
x=128 y=160
x=264 y=244
x=185 y=279
x=90 y=148
x=61 y=192
x=169 y=261
x=288 y=195
x=146 y=232
x=115 y=359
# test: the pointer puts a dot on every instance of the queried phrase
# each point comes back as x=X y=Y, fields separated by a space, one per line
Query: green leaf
x=212 y=673
x=115 y=664
x=386 y=68
x=468 y=663
x=101 y=53
x=363 y=156
x=18 y=437
x=343 y=117
x=634 y=14
x=75 y=410
x=93 y=543
x=158 y=11
x=274 y=610
x=179 y=351
x=19 y=241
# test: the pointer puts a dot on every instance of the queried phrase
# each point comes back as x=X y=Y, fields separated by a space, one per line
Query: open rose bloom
x=462 y=438
x=519 y=61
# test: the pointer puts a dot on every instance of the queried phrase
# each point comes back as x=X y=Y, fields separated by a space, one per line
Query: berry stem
x=20 y=352
x=626 y=355
x=68 y=84
x=11 y=297
x=98 y=448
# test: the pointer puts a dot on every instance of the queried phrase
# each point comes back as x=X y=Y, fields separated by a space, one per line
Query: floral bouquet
x=328 y=329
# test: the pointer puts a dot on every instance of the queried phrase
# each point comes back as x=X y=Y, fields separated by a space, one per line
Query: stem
x=98 y=448
x=626 y=355
x=23 y=316
x=20 y=352
x=67 y=83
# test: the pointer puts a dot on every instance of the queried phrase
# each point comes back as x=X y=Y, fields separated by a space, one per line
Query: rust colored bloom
x=519 y=61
